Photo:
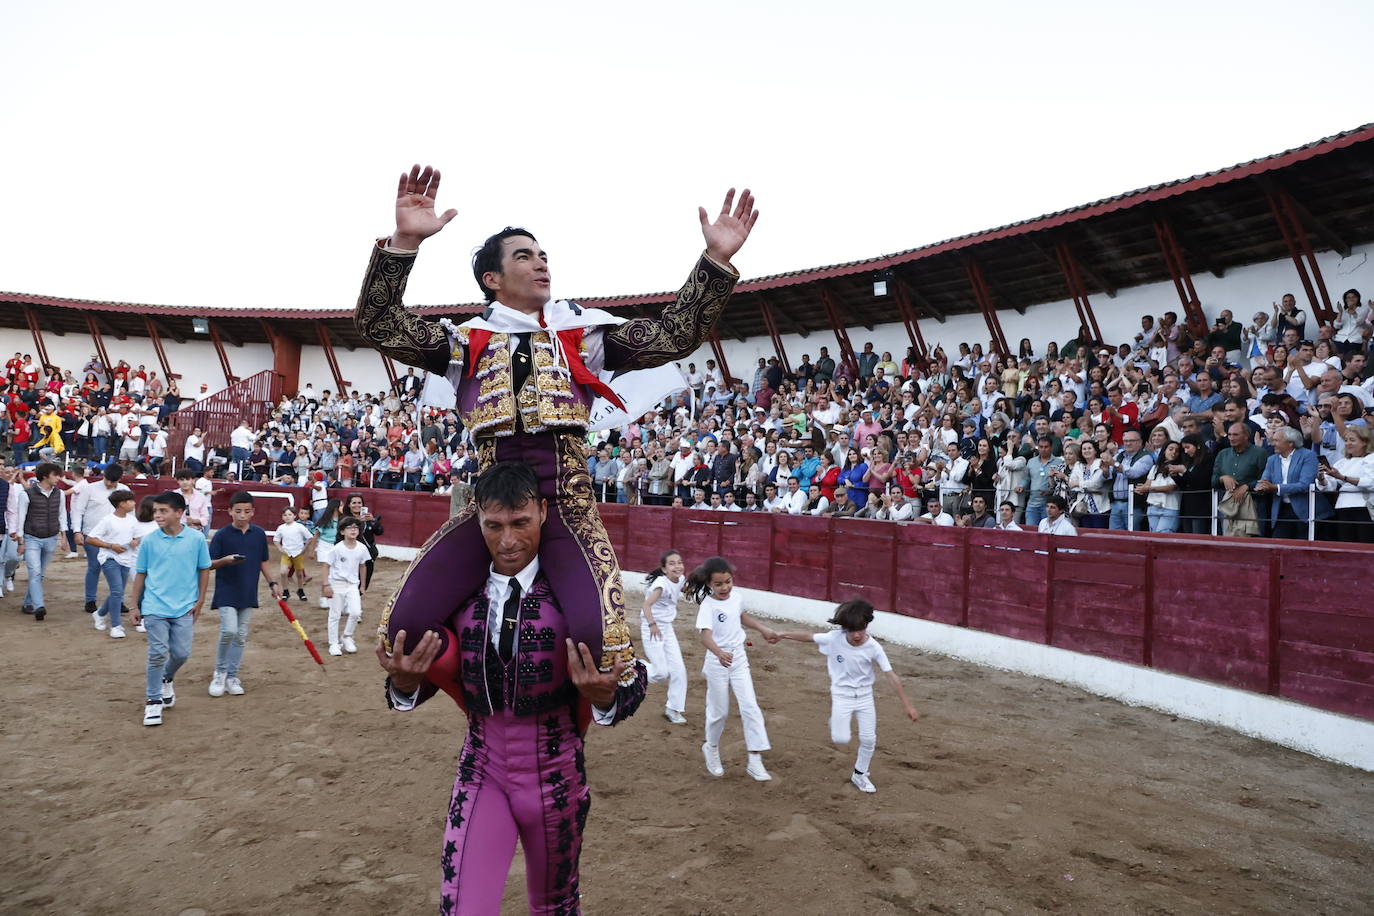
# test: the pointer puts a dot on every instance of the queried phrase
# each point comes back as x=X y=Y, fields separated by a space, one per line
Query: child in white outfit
x=851 y=656
x=658 y=638
x=345 y=562
x=721 y=621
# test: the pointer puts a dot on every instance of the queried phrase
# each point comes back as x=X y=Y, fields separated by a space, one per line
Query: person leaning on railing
x=1352 y=480
x=1237 y=469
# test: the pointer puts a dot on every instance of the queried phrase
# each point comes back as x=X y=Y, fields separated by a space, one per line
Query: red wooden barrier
x=1284 y=617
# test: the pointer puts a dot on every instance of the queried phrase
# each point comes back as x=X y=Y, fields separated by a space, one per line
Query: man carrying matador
x=528 y=374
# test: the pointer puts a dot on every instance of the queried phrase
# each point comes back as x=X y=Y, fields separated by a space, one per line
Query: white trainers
x=71 y=555
x=713 y=764
x=673 y=716
x=140 y=629
x=217 y=684
x=324 y=602
x=234 y=686
x=169 y=694
x=349 y=645
x=152 y=714
x=335 y=650
x=863 y=783
x=9 y=585
x=117 y=633
x=98 y=620
x=756 y=770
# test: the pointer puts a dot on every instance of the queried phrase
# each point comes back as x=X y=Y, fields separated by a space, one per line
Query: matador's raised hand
x=415 y=216
x=726 y=235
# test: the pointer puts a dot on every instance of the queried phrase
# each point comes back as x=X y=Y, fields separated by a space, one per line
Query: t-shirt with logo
x=722 y=619
x=851 y=667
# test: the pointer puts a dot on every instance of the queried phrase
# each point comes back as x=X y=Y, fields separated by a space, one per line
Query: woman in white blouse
x=1352 y=479
x=1161 y=493
x=1088 y=480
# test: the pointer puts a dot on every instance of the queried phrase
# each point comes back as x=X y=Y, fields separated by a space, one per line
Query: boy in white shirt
x=115 y=536
x=346 y=562
x=291 y=538
x=851 y=656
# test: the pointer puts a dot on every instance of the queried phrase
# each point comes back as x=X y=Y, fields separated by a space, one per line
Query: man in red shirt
x=1121 y=415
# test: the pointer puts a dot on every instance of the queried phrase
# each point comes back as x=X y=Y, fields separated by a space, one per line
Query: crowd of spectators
x=1241 y=428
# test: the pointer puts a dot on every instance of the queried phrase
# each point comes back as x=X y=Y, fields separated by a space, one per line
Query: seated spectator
x=935 y=515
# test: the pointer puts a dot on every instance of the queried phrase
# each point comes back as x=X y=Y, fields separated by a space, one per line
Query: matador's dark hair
x=854 y=615
x=506 y=484
x=487 y=259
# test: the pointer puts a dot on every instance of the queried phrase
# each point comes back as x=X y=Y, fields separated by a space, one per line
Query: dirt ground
x=306 y=796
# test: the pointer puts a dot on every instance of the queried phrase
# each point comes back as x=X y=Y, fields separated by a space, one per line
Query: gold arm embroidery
x=383 y=321
x=643 y=343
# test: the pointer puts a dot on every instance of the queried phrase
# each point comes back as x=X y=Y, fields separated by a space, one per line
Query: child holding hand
x=851 y=657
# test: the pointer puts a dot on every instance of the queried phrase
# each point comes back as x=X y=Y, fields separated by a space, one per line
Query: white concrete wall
x=1243 y=290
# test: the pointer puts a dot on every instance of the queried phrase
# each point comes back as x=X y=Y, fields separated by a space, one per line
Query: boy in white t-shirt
x=851 y=656
x=346 y=562
x=116 y=536
x=291 y=538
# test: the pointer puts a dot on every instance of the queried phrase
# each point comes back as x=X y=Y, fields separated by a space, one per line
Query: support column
x=328 y=346
x=766 y=308
x=98 y=341
x=36 y=330
x=1300 y=247
x=1183 y=279
x=913 y=327
x=988 y=308
x=719 y=352
x=156 y=338
x=390 y=368
x=1068 y=265
x=229 y=377
x=286 y=357
x=832 y=310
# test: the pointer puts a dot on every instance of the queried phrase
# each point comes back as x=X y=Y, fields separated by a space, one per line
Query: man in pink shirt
x=866 y=427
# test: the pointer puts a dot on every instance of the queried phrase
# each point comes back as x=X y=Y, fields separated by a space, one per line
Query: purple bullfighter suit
x=544 y=423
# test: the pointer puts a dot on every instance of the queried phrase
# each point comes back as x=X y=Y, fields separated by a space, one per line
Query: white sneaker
x=349 y=645
x=140 y=629
x=673 y=716
x=217 y=684
x=117 y=633
x=756 y=770
x=169 y=694
x=863 y=783
x=234 y=686
x=713 y=764
x=324 y=602
x=71 y=555
x=9 y=585
x=97 y=620
x=335 y=650
x=152 y=714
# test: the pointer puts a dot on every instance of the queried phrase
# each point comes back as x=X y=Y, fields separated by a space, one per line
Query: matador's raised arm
x=642 y=343
x=384 y=322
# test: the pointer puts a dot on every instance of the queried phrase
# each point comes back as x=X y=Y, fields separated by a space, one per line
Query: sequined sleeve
x=643 y=343
x=383 y=321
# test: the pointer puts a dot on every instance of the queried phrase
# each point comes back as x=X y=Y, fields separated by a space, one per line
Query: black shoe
x=39 y=613
x=27 y=609
x=91 y=607
x=300 y=593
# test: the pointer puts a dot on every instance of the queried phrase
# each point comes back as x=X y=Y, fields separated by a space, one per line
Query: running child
x=721 y=621
x=114 y=537
x=658 y=638
x=346 y=562
x=326 y=532
x=292 y=537
x=851 y=655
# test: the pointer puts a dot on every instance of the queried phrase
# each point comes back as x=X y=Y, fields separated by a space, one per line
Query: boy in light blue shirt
x=169 y=589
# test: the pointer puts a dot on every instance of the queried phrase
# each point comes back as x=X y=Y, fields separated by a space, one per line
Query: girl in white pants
x=851 y=656
x=658 y=638
x=721 y=621
x=346 y=560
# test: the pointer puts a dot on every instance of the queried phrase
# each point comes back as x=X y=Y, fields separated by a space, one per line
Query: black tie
x=524 y=362
x=510 y=617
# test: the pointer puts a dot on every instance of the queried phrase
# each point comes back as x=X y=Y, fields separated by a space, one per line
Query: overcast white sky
x=246 y=154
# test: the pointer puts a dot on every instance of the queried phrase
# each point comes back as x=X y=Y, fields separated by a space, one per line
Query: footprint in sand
x=1011 y=810
x=903 y=883
x=799 y=828
x=690 y=865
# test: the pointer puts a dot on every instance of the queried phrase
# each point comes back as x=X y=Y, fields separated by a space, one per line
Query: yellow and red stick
x=300 y=631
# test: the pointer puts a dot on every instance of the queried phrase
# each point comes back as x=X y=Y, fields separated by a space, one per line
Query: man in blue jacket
x=1288 y=475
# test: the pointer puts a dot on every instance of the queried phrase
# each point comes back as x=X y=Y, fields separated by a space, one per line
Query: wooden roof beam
x=1006 y=299
x=1097 y=279
x=105 y=327
x=1320 y=228
x=915 y=295
x=860 y=312
x=166 y=330
x=1191 y=249
x=335 y=338
x=784 y=317
x=227 y=336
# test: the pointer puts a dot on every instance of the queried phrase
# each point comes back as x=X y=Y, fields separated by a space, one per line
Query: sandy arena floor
x=306 y=796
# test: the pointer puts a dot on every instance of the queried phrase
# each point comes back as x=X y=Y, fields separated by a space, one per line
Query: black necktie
x=510 y=617
x=523 y=358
